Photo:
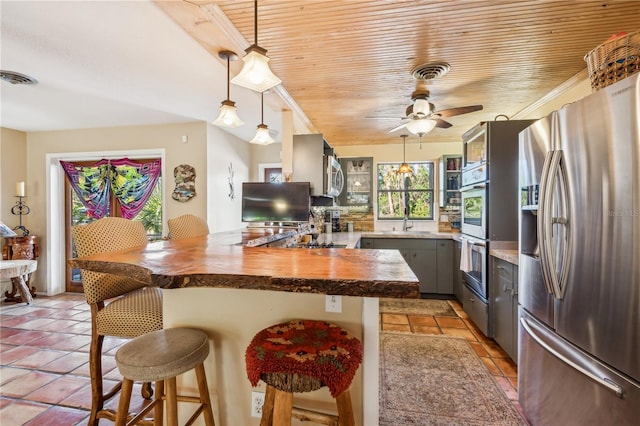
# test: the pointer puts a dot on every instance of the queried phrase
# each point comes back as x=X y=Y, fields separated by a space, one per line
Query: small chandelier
x=256 y=74
x=404 y=167
x=262 y=136
x=228 y=115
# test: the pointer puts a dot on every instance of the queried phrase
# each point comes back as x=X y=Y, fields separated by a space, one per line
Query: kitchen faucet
x=406 y=225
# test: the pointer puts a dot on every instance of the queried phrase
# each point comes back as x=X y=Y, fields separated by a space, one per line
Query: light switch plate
x=333 y=303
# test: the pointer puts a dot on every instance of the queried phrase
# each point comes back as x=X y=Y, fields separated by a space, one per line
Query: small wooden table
x=20 y=248
x=18 y=271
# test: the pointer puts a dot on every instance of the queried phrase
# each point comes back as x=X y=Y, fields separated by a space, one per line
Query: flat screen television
x=275 y=202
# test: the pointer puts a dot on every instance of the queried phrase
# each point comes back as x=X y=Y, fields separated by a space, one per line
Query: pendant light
x=404 y=167
x=228 y=115
x=262 y=136
x=256 y=74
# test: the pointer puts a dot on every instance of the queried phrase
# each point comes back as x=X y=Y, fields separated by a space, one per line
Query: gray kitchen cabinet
x=476 y=309
x=430 y=259
x=310 y=153
x=504 y=290
x=358 y=181
x=444 y=253
x=457 y=273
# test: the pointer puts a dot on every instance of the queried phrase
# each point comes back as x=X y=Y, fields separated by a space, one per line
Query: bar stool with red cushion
x=302 y=356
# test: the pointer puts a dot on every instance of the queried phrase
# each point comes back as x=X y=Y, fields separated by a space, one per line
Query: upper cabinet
x=449 y=188
x=311 y=154
x=358 y=187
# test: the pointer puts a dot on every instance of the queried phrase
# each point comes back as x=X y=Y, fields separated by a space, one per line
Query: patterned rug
x=434 y=380
x=432 y=307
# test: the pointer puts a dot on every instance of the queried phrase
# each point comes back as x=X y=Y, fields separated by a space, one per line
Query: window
x=395 y=191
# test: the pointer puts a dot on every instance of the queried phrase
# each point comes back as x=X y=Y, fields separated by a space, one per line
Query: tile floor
x=44 y=370
x=503 y=369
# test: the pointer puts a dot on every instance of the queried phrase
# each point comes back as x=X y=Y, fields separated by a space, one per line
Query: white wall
x=225 y=153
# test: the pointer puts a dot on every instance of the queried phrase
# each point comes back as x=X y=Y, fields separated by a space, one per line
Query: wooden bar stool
x=159 y=357
x=302 y=356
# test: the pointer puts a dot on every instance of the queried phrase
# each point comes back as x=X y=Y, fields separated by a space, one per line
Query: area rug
x=433 y=380
x=433 y=307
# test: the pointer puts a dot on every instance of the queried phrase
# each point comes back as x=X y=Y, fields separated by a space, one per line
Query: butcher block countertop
x=224 y=260
x=505 y=250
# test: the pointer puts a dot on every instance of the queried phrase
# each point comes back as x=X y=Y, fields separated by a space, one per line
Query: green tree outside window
x=398 y=191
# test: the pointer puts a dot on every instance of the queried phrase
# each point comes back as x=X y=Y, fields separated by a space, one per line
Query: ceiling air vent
x=16 y=78
x=430 y=71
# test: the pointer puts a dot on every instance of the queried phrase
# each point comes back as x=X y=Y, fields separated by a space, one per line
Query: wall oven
x=475 y=277
x=474 y=211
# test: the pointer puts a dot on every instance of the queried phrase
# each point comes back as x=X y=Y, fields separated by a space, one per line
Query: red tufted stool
x=302 y=356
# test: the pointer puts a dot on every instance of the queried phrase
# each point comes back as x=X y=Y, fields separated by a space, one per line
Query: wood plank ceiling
x=347 y=63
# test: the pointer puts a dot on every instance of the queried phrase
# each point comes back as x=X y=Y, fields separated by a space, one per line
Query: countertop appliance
x=489 y=206
x=579 y=274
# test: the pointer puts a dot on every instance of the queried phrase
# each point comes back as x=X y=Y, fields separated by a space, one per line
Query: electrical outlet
x=333 y=303
x=257 y=400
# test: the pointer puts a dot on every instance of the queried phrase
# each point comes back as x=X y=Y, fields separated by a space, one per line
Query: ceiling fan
x=422 y=116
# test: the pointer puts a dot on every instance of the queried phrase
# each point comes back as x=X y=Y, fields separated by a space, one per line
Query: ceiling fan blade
x=442 y=124
x=457 y=111
x=385 y=118
x=398 y=128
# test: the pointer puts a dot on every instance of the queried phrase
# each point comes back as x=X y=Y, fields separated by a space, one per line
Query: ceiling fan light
x=256 y=74
x=421 y=107
x=405 y=168
x=228 y=115
x=421 y=126
x=262 y=136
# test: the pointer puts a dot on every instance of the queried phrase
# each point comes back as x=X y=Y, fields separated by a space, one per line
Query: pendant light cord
x=228 y=73
x=261 y=106
x=255 y=22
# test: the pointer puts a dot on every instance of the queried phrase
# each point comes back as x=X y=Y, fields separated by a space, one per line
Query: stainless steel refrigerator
x=579 y=263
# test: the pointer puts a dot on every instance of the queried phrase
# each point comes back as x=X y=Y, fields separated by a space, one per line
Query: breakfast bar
x=205 y=282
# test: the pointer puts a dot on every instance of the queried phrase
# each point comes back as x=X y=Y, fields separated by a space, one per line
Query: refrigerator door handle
x=604 y=381
x=543 y=201
x=557 y=278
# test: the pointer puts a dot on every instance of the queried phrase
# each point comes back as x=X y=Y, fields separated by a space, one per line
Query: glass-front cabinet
x=358 y=178
x=449 y=189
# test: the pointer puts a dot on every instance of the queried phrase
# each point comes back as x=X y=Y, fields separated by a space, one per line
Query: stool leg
x=172 y=402
x=205 y=398
x=267 y=407
x=282 y=406
x=123 y=404
x=158 y=413
x=345 y=410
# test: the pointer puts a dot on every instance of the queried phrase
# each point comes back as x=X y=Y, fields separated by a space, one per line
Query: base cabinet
x=476 y=309
x=457 y=273
x=504 y=290
x=430 y=259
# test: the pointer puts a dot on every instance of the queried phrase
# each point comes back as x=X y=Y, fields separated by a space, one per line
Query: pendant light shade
x=421 y=126
x=228 y=116
x=262 y=136
x=404 y=167
x=421 y=107
x=256 y=74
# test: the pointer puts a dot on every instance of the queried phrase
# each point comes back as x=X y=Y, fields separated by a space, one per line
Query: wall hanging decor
x=232 y=192
x=185 y=183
